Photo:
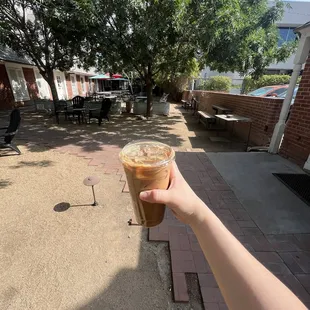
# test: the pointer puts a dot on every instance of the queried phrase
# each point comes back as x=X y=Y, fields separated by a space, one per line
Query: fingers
x=156 y=196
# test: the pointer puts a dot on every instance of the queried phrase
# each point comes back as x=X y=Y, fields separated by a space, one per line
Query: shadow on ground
x=129 y=290
x=201 y=135
x=41 y=163
x=38 y=128
x=4 y=183
x=180 y=129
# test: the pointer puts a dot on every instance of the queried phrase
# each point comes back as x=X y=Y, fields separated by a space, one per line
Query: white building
x=297 y=14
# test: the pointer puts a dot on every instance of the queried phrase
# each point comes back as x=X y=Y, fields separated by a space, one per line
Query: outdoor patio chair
x=164 y=98
x=103 y=113
x=61 y=107
x=78 y=102
x=11 y=131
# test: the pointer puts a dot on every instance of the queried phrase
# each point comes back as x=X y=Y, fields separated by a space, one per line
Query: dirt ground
x=84 y=257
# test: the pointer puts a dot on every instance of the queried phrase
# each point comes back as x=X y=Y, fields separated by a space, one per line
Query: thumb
x=156 y=196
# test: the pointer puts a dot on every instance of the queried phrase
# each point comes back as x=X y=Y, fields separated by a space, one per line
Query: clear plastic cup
x=147 y=165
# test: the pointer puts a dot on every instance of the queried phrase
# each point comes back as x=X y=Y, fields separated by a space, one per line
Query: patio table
x=221 y=108
x=233 y=118
x=141 y=97
x=79 y=112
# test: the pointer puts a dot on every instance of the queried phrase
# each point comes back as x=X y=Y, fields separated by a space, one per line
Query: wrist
x=201 y=212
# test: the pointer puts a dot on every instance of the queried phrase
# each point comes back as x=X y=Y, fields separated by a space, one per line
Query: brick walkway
x=286 y=256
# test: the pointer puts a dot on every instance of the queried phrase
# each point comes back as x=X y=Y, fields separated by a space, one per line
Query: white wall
x=297 y=15
x=78 y=70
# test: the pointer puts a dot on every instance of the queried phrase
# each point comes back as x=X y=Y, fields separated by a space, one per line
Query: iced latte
x=147 y=166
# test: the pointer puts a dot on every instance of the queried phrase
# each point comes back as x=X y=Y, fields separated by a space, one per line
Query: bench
x=186 y=104
x=206 y=118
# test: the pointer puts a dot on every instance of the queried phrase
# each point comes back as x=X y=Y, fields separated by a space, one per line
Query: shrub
x=266 y=80
x=217 y=83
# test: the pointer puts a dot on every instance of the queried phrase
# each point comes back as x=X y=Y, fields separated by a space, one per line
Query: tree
x=48 y=32
x=153 y=36
x=242 y=36
x=174 y=77
x=144 y=36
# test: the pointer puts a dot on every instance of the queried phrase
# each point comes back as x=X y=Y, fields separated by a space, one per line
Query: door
x=60 y=86
x=73 y=85
x=18 y=84
x=82 y=80
x=42 y=85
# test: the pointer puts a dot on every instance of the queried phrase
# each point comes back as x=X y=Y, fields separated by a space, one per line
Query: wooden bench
x=206 y=118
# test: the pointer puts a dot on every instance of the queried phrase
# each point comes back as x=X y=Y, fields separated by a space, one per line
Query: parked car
x=269 y=91
x=294 y=94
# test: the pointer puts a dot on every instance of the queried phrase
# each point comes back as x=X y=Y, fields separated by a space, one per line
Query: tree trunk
x=51 y=83
x=242 y=90
x=149 y=88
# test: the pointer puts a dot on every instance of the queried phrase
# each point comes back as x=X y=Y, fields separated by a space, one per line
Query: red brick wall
x=296 y=141
x=264 y=112
x=31 y=83
x=6 y=94
x=69 y=86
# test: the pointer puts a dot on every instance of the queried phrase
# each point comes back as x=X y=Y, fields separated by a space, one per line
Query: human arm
x=244 y=282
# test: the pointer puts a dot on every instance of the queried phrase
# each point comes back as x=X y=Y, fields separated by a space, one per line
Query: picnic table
x=218 y=108
x=233 y=118
x=103 y=93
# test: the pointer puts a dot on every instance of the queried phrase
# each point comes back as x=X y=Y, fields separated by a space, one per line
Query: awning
x=100 y=77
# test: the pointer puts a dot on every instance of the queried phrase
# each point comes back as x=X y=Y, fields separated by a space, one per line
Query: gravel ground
x=83 y=257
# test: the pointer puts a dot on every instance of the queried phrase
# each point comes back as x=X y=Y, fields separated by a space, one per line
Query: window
x=260 y=92
x=18 y=84
x=286 y=34
x=279 y=90
x=59 y=83
x=83 y=84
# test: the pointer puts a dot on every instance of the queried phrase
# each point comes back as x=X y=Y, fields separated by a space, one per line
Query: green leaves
x=241 y=36
x=217 y=83
x=165 y=39
x=49 y=32
x=250 y=84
